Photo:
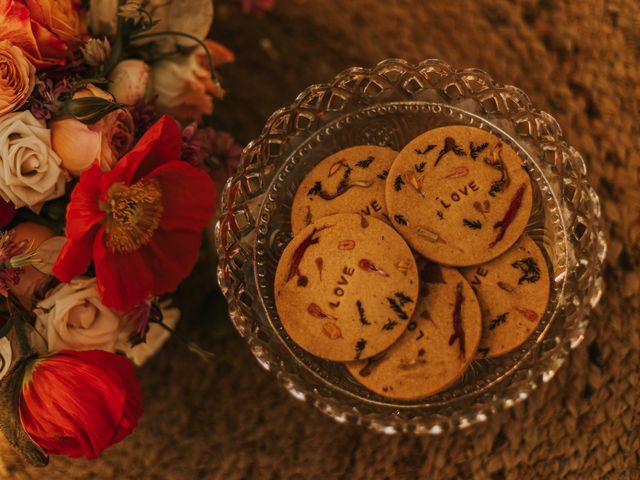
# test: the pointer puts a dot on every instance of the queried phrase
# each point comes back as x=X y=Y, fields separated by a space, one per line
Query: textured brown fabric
x=230 y=420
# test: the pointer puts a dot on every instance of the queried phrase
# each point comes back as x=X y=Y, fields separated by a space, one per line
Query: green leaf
x=10 y=424
x=89 y=110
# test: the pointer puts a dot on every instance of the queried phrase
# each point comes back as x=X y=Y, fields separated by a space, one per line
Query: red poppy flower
x=80 y=402
x=140 y=223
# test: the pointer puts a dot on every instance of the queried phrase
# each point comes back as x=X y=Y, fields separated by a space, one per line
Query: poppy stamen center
x=133 y=215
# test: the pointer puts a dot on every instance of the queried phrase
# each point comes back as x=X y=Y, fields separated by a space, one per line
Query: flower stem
x=116 y=49
x=193 y=347
x=169 y=33
x=28 y=215
x=18 y=315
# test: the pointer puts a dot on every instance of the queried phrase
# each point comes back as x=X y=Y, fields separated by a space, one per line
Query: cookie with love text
x=349 y=181
x=459 y=195
x=346 y=287
x=513 y=291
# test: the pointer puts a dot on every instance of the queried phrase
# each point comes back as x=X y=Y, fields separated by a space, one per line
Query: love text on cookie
x=460 y=193
x=342 y=282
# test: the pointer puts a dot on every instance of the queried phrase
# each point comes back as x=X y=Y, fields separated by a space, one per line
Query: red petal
x=123 y=280
x=15 y=25
x=84 y=211
x=7 y=212
x=80 y=402
x=75 y=256
x=161 y=143
x=53 y=50
x=127 y=375
x=188 y=196
x=171 y=256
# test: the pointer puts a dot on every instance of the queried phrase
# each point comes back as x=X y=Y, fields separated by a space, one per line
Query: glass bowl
x=389 y=105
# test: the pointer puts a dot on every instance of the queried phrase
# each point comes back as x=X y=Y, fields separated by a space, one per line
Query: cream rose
x=129 y=81
x=73 y=316
x=104 y=142
x=184 y=87
x=30 y=172
x=17 y=77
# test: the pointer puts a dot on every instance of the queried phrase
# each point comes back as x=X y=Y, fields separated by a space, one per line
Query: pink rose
x=79 y=146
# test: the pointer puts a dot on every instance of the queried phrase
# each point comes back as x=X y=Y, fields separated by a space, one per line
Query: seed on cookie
x=349 y=181
x=355 y=302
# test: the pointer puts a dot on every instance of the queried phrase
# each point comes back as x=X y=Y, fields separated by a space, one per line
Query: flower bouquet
x=107 y=181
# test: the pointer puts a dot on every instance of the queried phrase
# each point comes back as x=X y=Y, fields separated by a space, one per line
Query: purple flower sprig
x=216 y=152
x=144 y=113
x=48 y=96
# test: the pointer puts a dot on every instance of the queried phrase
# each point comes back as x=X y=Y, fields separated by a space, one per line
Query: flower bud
x=96 y=51
x=78 y=403
x=129 y=81
x=32 y=282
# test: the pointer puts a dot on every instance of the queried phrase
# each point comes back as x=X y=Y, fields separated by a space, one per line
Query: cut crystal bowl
x=389 y=105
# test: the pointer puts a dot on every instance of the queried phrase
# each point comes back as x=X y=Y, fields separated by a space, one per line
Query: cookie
x=349 y=181
x=438 y=346
x=513 y=291
x=459 y=195
x=346 y=287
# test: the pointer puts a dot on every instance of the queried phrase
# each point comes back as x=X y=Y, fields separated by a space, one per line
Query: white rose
x=129 y=81
x=155 y=339
x=30 y=172
x=73 y=317
x=103 y=17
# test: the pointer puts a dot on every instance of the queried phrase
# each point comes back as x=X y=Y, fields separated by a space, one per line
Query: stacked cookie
x=407 y=266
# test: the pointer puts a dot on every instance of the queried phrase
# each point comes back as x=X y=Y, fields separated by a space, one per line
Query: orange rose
x=46 y=30
x=17 y=77
x=79 y=146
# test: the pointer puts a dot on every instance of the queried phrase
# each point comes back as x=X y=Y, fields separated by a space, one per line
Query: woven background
x=579 y=60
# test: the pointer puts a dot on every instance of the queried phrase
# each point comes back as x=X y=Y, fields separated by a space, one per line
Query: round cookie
x=513 y=291
x=346 y=287
x=459 y=195
x=438 y=346
x=349 y=181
